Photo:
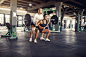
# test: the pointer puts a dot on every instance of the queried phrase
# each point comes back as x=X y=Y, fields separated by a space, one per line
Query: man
x=38 y=16
x=42 y=28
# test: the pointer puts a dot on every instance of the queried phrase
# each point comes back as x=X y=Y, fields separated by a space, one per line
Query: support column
x=13 y=7
x=81 y=17
x=62 y=15
x=65 y=22
x=79 y=20
x=4 y=20
x=13 y=16
x=58 y=7
x=77 y=23
x=70 y=24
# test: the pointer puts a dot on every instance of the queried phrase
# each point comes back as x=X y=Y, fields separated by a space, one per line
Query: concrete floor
x=65 y=44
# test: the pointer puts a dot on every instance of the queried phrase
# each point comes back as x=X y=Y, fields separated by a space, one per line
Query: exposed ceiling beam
x=77 y=2
x=69 y=11
x=25 y=2
x=1 y=1
x=5 y=5
x=33 y=2
x=71 y=5
x=42 y=5
x=70 y=15
x=21 y=4
x=8 y=2
x=17 y=5
x=33 y=11
x=41 y=1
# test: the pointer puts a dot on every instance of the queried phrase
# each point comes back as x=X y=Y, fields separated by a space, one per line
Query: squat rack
x=82 y=28
x=53 y=27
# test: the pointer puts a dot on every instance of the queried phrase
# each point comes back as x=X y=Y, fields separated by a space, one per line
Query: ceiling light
x=65 y=17
x=66 y=6
x=21 y=8
x=30 y=4
x=74 y=8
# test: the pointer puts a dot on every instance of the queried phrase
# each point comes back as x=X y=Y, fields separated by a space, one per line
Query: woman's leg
x=42 y=34
x=41 y=38
x=48 y=33
x=31 y=32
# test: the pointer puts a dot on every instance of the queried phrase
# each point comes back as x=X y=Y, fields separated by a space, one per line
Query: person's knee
x=31 y=30
x=49 y=31
x=37 y=31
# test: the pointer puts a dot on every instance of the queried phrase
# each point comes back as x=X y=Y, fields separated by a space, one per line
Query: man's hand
x=44 y=28
x=36 y=23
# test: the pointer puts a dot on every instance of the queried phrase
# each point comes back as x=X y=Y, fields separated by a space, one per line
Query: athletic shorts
x=32 y=24
x=40 y=30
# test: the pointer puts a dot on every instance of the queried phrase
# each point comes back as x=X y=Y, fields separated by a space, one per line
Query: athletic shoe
x=35 y=41
x=47 y=39
x=30 y=39
x=41 y=38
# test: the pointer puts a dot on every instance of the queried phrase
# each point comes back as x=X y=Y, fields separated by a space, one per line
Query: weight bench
x=8 y=34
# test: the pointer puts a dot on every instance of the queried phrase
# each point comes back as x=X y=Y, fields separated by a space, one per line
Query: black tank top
x=43 y=25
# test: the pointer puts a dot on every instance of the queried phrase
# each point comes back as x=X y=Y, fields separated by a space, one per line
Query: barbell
x=28 y=18
x=54 y=19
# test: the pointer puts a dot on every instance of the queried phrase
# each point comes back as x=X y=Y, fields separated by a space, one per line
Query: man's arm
x=41 y=27
x=37 y=24
x=34 y=19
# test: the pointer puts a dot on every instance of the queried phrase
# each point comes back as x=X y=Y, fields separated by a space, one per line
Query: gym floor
x=65 y=44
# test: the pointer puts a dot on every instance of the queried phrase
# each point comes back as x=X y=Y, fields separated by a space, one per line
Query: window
x=7 y=18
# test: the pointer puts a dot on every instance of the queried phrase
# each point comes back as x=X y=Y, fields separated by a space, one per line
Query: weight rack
x=54 y=29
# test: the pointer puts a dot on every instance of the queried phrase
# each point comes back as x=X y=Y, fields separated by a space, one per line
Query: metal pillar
x=4 y=20
x=58 y=7
x=81 y=17
x=13 y=7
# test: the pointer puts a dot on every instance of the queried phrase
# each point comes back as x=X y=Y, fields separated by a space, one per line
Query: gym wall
x=18 y=12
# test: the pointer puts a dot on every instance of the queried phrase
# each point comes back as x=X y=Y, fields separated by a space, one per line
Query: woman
x=41 y=25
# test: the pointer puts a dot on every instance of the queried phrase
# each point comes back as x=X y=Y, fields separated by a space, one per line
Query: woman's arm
x=48 y=22
x=41 y=27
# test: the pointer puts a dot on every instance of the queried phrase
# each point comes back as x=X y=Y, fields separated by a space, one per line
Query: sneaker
x=41 y=38
x=30 y=39
x=35 y=41
x=47 y=39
